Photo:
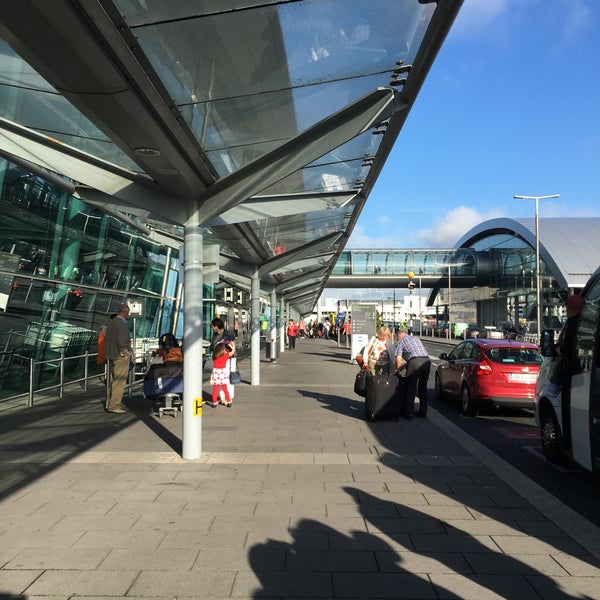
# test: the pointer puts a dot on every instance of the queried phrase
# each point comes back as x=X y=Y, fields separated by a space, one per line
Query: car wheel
x=468 y=407
x=439 y=392
x=551 y=437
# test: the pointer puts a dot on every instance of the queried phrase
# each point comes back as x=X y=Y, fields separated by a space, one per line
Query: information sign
x=363 y=327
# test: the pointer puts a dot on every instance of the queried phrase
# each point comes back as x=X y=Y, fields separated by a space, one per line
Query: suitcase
x=384 y=397
x=163 y=379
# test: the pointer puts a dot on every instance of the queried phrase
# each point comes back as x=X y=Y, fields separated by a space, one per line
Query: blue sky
x=510 y=106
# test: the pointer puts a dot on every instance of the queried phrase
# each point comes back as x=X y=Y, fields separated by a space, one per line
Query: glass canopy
x=176 y=97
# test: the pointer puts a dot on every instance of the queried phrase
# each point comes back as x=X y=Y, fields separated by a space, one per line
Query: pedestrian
x=292 y=332
x=379 y=352
x=301 y=328
x=566 y=362
x=219 y=376
x=411 y=353
x=117 y=345
x=327 y=329
x=222 y=334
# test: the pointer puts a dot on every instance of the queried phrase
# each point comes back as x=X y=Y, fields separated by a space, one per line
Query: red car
x=489 y=373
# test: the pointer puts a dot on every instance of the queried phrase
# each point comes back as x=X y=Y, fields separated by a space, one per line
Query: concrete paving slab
x=295 y=496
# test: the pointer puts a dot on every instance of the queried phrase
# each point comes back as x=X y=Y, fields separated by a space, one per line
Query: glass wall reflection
x=65 y=266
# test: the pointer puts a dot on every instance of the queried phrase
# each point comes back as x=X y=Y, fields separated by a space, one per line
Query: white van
x=568 y=415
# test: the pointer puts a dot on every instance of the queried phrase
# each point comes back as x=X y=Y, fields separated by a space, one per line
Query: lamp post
x=538 y=287
x=449 y=303
x=411 y=287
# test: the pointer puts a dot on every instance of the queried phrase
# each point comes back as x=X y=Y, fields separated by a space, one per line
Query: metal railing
x=59 y=386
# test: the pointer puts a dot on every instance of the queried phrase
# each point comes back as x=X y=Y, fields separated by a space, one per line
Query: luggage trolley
x=163 y=386
x=163 y=382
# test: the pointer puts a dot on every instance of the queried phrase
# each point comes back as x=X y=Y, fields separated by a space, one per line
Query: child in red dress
x=220 y=373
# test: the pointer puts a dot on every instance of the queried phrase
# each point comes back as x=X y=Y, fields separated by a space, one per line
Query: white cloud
x=447 y=230
x=443 y=233
x=476 y=15
x=387 y=238
x=576 y=18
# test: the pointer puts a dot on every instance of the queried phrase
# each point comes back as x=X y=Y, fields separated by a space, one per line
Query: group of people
x=408 y=355
x=316 y=329
x=380 y=356
x=114 y=347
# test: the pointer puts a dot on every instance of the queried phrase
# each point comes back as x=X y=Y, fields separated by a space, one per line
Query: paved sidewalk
x=295 y=496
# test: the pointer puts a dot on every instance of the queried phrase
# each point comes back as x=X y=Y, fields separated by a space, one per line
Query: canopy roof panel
x=272 y=119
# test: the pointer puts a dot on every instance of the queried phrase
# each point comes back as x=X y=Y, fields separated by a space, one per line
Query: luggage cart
x=163 y=386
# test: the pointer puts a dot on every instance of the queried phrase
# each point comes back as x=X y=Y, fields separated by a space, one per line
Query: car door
x=454 y=369
x=470 y=359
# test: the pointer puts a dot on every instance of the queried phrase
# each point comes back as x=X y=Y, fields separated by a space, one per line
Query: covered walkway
x=295 y=496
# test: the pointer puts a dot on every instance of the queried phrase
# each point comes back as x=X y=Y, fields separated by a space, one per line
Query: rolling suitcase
x=382 y=400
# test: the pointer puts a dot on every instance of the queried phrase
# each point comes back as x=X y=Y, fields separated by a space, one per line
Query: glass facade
x=64 y=267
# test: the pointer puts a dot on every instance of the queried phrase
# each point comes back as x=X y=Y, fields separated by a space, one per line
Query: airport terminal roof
x=265 y=122
x=570 y=247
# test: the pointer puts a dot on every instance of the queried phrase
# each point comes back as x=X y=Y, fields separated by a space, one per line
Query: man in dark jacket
x=117 y=347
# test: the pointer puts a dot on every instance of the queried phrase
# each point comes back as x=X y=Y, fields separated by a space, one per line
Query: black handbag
x=360 y=383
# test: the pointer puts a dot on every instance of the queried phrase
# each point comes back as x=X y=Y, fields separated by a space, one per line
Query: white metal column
x=282 y=324
x=255 y=329
x=192 y=340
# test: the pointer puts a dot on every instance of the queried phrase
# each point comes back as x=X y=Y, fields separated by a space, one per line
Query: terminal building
x=491 y=273
x=198 y=159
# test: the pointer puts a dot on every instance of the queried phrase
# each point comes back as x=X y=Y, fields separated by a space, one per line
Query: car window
x=471 y=351
x=457 y=353
x=521 y=356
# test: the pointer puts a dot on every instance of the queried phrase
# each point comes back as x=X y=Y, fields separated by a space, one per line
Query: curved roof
x=569 y=247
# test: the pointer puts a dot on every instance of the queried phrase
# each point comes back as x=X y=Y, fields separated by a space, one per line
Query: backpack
x=167 y=341
x=170 y=355
x=101 y=353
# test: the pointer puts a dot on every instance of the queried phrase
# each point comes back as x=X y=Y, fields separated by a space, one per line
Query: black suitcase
x=384 y=399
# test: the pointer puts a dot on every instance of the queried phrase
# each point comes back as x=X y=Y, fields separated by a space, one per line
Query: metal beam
x=323 y=137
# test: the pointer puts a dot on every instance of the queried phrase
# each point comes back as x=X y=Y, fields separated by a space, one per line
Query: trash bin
x=272 y=350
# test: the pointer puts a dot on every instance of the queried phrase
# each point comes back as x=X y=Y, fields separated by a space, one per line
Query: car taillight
x=484 y=368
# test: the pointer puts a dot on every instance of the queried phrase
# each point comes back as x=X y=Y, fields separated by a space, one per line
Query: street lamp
x=538 y=287
x=449 y=303
x=411 y=287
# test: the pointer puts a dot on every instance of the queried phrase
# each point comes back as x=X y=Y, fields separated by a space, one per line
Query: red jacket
x=292 y=330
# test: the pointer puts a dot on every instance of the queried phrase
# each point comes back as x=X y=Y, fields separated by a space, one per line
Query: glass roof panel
x=287 y=67
x=27 y=99
x=283 y=234
x=342 y=169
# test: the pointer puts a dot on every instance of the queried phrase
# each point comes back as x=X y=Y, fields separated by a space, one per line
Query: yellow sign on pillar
x=198 y=407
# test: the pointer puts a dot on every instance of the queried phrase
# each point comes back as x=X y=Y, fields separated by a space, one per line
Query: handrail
x=59 y=363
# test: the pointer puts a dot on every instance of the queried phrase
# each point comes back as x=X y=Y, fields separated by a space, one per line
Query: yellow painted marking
x=198 y=407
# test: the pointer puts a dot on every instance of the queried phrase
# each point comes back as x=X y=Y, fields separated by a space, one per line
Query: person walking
x=411 y=353
x=292 y=332
x=219 y=376
x=117 y=346
x=301 y=328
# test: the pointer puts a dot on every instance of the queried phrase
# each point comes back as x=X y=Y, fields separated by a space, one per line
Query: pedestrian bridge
x=463 y=267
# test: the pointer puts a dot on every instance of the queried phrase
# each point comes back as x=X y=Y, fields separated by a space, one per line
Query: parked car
x=492 y=332
x=473 y=331
x=485 y=373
